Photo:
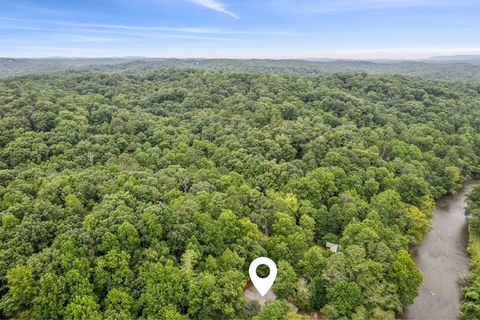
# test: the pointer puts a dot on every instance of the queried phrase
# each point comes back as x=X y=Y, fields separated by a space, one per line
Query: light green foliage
x=164 y=287
x=388 y=205
x=416 y=224
x=21 y=287
x=405 y=276
x=50 y=300
x=473 y=211
x=286 y=280
x=276 y=310
x=288 y=240
x=118 y=305
x=113 y=271
x=211 y=297
x=317 y=186
x=83 y=308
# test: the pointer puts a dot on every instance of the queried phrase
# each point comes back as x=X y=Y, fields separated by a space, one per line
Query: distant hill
x=425 y=70
x=471 y=59
x=13 y=66
x=433 y=69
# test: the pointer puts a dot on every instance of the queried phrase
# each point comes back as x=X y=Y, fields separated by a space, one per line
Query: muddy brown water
x=442 y=258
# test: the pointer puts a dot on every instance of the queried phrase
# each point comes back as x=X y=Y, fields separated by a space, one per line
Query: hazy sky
x=240 y=28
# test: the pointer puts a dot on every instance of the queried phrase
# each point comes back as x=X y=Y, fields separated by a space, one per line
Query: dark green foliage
x=343 y=298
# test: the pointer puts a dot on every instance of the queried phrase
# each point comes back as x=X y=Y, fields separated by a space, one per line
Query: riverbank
x=471 y=283
x=443 y=259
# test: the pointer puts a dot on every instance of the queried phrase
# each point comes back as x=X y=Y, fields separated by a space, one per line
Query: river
x=442 y=258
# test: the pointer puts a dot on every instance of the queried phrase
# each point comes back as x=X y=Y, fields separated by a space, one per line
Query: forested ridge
x=464 y=71
x=459 y=70
x=147 y=195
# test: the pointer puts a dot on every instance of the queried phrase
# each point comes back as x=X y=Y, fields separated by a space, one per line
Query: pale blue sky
x=240 y=29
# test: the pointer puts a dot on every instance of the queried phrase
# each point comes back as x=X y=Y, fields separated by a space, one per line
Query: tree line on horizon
x=450 y=70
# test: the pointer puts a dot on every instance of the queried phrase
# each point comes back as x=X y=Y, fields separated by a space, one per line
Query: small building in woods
x=332 y=246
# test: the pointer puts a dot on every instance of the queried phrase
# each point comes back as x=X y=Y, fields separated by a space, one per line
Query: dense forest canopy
x=435 y=69
x=26 y=66
x=147 y=195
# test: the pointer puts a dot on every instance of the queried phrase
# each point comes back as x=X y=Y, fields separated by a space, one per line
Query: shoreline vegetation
x=471 y=283
x=147 y=195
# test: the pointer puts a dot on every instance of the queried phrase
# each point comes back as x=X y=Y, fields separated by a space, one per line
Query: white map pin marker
x=262 y=284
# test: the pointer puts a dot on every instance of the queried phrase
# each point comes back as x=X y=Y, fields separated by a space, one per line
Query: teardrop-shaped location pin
x=262 y=284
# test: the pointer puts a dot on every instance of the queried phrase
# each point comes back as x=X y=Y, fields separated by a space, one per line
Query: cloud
x=197 y=30
x=77 y=32
x=215 y=5
x=16 y=27
x=53 y=24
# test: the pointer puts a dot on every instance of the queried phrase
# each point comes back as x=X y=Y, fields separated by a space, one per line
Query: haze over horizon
x=286 y=29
